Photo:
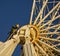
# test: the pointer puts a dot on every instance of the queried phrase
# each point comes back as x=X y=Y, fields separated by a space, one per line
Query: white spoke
x=53 y=2
x=49 y=39
x=49 y=46
x=50 y=21
x=54 y=18
x=58 y=16
x=49 y=33
x=58 y=37
x=41 y=49
x=41 y=12
x=48 y=10
x=36 y=49
x=57 y=45
x=57 y=29
x=54 y=27
x=48 y=14
x=33 y=7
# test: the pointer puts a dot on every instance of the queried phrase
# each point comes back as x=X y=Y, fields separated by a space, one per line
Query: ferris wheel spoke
x=36 y=49
x=51 y=27
x=50 y=21
x=41 y=12
x=52 y=33
x=49 y=39
x=57 y=45
x=57 y=29
x=48 y=10
x=48 y=45
x=55 y=18
x=32 y=12
x=58 y=37
x=53 y=2
x=48 y=14
x=41 y=49
x=58 y=16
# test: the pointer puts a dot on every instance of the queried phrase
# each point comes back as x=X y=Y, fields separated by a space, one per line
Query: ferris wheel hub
x=34 y=32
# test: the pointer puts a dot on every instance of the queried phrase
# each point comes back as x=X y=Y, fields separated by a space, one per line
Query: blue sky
x=11 y=13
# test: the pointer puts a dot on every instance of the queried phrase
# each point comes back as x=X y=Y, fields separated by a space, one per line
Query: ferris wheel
x=41 y=37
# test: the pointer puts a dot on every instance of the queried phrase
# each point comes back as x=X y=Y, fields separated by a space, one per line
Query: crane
x=41 y=37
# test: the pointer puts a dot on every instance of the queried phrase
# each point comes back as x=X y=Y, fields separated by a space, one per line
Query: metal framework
x=41 y=37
